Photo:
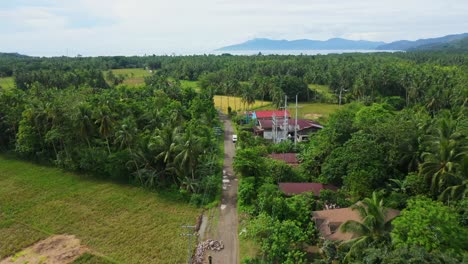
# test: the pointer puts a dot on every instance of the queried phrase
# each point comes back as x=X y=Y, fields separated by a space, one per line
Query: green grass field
x=190 y=84
x=122 y=223
x=134 y=76
x=324 y=91
x=7 y=82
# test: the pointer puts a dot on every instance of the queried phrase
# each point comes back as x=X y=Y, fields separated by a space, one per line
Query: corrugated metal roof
x=269 y=114
x=290 y=158
x=291 y=188
x=301 y=123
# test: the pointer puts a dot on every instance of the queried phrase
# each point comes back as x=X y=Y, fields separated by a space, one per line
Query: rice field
x=223 y=102
x=119 y=223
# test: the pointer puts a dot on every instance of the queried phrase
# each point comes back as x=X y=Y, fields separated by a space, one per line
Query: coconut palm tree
x=164 y=143
x=85 y=125
x=373 y=228
x=277 y=96
x=446 y=150
x=125 y=134
x=189 y=151
x=106 y=123
x=458 y=191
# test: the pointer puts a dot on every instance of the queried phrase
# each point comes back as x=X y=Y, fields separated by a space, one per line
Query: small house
x=288 y=158
x=328 y=222
x=293 y=188
x=276 y=128
x=270 y=114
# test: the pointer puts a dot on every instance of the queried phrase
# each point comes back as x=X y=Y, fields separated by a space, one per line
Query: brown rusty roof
x=301 y=124
x=329 y=221
x=291 y=188
x=290 y=158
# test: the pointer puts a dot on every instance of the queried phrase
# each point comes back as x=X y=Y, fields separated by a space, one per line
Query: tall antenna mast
x=275 y=133
x=295 y=126
x=285 y=121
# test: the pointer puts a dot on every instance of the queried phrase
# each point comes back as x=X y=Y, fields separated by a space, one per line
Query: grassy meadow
x=190 y=84
x=119 y=223
x=324 y=90
x=134 y=76
x=7 y=82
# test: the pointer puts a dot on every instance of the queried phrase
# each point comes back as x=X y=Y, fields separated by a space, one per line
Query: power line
x=189 y=241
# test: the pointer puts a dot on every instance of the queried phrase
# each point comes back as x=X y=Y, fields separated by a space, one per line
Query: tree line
x=160 y=135
x=436 y=80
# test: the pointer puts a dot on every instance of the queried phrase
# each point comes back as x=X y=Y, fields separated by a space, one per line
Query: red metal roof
x=291 y=188
x=289 y=158
x=269 y=114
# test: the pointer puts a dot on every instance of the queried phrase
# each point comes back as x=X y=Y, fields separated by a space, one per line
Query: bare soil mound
x=57 y=249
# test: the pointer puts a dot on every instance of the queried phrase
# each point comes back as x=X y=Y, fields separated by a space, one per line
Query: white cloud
x=109 y=27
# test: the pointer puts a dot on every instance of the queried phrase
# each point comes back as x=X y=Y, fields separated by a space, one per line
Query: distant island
x=264 y=44
x=304 y=44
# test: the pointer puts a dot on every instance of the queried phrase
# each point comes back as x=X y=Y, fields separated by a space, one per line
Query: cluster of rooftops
x=277 y=125
x=328 y=221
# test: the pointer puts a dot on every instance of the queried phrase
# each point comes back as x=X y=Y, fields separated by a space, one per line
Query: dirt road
x=227 y=225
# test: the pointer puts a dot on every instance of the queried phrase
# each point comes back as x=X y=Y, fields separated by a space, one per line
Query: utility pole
x=285 y=121
x=341 y=91
x=274 y=132
x=189 y=246
x=295 y=126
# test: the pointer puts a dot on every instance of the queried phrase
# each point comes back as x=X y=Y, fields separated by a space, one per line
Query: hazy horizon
x=94 y=28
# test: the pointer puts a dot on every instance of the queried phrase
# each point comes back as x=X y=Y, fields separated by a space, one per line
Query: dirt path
x=227 y=225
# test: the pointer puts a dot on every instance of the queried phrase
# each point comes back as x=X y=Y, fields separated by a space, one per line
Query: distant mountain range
x=408 y=45
x=260 y=44
x=304 y=44
x=11 y=55
x=458 y=45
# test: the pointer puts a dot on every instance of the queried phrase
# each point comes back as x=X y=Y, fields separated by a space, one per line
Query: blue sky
x=137 y=27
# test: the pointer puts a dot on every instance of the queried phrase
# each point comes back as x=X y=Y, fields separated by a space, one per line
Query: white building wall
x=268 y=135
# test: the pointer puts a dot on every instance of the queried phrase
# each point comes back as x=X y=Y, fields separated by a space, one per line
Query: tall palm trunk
x=108 y=146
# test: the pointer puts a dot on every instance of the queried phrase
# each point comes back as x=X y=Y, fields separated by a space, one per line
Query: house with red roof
x=267 y=127
x=293 y=188
x=289 y=158
x=269 y=114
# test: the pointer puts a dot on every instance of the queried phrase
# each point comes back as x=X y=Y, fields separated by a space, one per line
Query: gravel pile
x=208 y=244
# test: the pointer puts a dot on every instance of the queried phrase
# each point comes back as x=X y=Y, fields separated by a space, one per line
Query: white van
x=234 y=138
